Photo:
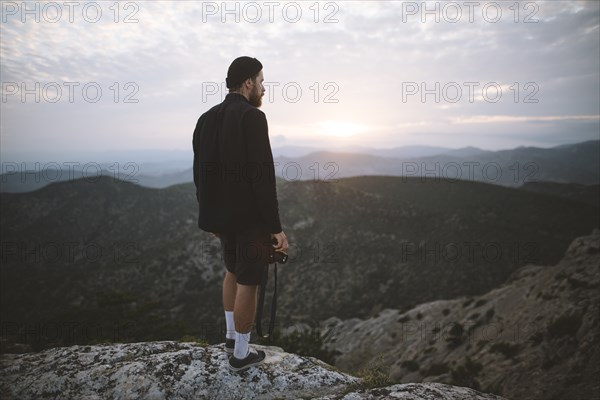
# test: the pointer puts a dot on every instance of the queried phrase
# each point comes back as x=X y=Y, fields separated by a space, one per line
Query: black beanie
x=241 y=69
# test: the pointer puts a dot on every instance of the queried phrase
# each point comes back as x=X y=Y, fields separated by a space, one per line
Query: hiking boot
x=253 y=358
x=229 y=345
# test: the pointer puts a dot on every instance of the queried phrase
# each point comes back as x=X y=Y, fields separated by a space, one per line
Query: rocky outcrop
x=173 y=370
x=535 y=337
x=162 y=370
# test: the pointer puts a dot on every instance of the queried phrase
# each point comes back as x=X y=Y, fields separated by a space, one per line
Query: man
x=237 y=198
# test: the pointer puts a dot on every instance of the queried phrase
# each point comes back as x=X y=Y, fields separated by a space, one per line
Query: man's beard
x=255 y=98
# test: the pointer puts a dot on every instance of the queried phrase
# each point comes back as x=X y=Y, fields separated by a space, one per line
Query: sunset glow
x=339 y=129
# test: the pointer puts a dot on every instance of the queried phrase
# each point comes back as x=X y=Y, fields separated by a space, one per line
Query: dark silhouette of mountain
x=574 y=163
x=578 y=163
x=395 y=152
x=115 y=258
x=398 y=152
x=466 y=152
x=30 y=180
x=589 y=194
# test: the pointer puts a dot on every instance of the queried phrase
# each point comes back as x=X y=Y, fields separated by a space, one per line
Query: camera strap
x=261 y=302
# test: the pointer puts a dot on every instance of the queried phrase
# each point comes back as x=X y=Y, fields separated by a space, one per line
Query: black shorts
x=246 y=253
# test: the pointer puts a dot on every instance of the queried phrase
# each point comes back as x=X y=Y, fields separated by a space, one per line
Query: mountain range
x=115 y=258
x=573 y=163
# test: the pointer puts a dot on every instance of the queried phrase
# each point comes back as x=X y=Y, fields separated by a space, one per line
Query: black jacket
x=234 y=172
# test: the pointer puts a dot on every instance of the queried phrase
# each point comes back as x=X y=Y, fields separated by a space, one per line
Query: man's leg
x=229 y=293
x=243 y=313
x=252 y=255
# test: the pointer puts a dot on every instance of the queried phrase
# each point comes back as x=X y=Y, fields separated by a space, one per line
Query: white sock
x=241 y=345
x=230 y=325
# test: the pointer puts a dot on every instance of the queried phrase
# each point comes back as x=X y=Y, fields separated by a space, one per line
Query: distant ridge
x=575 y=163
x=588 y=194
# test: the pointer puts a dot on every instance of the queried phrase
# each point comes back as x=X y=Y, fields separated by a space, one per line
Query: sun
x=338 y=128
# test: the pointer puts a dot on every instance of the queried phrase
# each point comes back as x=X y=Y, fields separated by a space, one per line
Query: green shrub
x=373 y=376
x=509 y=350
x=493 y=388
x=455 y=335
x=456 y=330
x=305 y=343
x=193 y=339
x=566 y=324
x=466 y=373
x=410 y=365
x=480 y=302
x=435 y=369
x=536 y=338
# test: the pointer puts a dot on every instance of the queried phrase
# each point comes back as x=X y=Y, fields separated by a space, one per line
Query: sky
x=117 y=76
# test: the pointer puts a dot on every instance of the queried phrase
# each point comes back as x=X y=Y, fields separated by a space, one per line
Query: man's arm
x=196 y=166
x=261 y=171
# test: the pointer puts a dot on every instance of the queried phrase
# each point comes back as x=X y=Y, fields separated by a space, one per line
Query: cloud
x=176 y=48
x=494 y=119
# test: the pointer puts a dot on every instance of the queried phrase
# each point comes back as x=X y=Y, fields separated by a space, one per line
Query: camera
x=277 y=256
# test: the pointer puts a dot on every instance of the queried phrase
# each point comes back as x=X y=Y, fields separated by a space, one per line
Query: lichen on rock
x=178 y=371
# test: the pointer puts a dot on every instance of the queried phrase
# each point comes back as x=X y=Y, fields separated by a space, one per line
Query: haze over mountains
x=576 y=163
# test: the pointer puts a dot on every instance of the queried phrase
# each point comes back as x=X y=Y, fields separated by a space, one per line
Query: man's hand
x=282 y=242
x=215 y=234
